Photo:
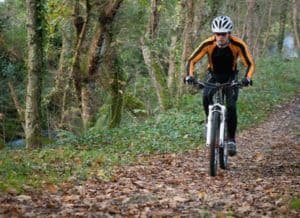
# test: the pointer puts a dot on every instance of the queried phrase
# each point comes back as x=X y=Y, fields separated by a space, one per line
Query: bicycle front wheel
x=214 y=139
x=223 y=152
x=223 y=156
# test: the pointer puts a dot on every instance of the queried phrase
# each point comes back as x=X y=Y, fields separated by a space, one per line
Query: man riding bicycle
x=223 y=50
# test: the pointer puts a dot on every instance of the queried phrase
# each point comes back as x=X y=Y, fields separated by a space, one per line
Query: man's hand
x=189 y=80
x=246 y=81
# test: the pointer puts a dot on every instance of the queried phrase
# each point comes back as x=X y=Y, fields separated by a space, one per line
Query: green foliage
x=161 y=81
x=35 y=167
x=103 y=118
x=13 y=28
x=56 y=15
x=2 y=144
x=295 y=204
x=12 y=67
x=97 y=152
x=144 y=3
x=134 y=105
x=129 y=28
x=275 y=82
x=10 y=72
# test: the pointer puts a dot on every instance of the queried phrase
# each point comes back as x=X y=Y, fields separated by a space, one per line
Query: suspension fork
x=208 y=127
x=222 y=125
x=221 y=109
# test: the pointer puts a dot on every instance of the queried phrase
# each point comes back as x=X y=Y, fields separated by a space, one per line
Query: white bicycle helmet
x=222 y=24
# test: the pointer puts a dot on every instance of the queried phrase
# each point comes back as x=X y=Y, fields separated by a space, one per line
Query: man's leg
x=207 y=99
x=231 y=99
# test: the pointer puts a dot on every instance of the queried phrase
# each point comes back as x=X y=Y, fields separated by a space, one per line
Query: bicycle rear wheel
x=214 y=139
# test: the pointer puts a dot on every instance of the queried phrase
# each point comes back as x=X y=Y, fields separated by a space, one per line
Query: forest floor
x=263 y=180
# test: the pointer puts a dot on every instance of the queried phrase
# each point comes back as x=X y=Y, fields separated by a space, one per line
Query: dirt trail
x=262 y=180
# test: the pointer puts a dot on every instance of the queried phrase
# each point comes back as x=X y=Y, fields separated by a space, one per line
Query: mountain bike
x=216 y=132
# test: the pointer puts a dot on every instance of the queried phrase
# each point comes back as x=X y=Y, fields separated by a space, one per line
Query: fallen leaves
x=244 y=209
x=23 y=198
x=70 y=198
x=179 y=199
x=202 y=195
x=258 y=157
x=11 y=191
x=51 y=188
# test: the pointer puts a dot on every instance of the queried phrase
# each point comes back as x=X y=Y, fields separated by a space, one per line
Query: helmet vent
x=222 y=24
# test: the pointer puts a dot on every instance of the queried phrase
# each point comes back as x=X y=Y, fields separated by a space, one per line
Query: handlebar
x=202 y=84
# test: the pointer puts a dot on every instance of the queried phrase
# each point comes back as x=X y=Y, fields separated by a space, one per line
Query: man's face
x=222 y=38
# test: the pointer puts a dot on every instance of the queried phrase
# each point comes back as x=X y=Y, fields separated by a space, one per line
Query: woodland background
x=87 y=87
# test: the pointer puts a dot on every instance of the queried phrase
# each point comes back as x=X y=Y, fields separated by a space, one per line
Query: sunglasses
x=221 y=34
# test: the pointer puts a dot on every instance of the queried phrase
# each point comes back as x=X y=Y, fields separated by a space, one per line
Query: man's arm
x=247 y=60
x=197 y=56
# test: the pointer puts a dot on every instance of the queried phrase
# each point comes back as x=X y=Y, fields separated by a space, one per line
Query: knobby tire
x=223 y=158
x=215 y=129
x=222 y=154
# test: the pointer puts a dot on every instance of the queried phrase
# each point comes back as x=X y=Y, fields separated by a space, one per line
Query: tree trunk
x=248 y=33
x=172 y=64
x=154 y=19
x=62 y=75
x=266 y=38
x=187 y=34
x=199 y=17
x=155 y=69
x=117 y=88
x=296 y=28
x=117 y=100
x=62 y=96
x=75 y=72
x=112 y=66
x=56 y=102
x=73 y=84
x=259 y=31
x=282 y=22
x=176 y=34
x=157 y=77
x=186 y=40
x=88 y=104
x=35 y=69
x=87 y=100
x=20 y=110
x=106 y=18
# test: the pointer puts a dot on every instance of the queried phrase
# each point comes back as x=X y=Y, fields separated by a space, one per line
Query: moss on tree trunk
x=35 y=70
x=117 y=94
